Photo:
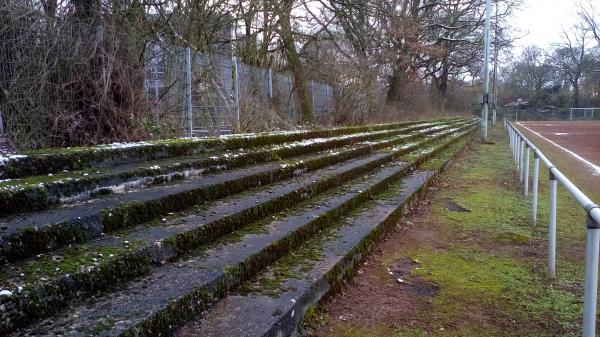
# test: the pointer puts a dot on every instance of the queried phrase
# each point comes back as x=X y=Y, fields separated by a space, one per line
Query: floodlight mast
x=495 y=83
x=486 y=74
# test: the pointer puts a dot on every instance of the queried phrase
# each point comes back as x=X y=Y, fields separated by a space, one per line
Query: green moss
x=291 y=266
x=380 y=330
x=471 y=276
x=493 y=261
x=71 y=260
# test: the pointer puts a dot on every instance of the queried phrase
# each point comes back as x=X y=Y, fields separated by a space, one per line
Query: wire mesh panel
x=284 y=95
x=322 y=98
x=254 y=82
x=165 y=84
x=214 y=106
x=68 y=82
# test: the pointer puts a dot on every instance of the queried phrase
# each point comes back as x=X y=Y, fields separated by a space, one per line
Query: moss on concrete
x=492 y=267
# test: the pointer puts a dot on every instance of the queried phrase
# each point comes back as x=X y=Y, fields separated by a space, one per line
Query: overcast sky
x=540 y=22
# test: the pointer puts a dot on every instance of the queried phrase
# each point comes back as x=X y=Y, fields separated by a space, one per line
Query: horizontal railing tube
x=593 y=222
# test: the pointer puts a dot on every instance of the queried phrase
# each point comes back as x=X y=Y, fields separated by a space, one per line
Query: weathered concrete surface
x=256 y=314
x=171 y=282
x=43 y=191
x=163 y=273
x=41 y=231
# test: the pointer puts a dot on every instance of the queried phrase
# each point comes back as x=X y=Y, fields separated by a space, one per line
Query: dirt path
x=466 y=262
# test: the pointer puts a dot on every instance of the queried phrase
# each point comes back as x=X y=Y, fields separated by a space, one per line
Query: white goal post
x=584 y=113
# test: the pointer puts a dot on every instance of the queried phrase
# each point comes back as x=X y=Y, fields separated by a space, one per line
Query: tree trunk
x=576 y=93
x=394 y=86
x=443 y=86
x=306 y=108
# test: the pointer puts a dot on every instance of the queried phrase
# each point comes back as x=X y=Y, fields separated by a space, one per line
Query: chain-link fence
x=220 y=89
x=555 y=114
x=67 y=82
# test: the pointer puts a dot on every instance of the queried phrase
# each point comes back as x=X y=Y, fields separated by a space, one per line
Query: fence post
x=526 y=172
x=552 y=225
x=188 y=90
x=292 y=98
x=1 y=124
x=590 y=288
x=571 y=115
x=236 y=87
x=270 y=79
x=536 y=171
x=312 y=95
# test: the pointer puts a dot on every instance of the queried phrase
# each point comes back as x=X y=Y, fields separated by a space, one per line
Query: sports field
x=574 y=147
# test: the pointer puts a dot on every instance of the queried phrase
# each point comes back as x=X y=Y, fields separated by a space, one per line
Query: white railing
x=521 y=148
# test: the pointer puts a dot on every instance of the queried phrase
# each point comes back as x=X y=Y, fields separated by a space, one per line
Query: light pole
x=495 y=83
x=486 y=74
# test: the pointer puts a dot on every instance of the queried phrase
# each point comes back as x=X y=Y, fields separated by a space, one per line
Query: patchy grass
x=478 y=245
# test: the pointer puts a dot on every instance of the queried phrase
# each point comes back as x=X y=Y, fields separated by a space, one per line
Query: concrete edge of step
x=35 y=239
x=58 y=159
x=143 y=259
x=32 y=197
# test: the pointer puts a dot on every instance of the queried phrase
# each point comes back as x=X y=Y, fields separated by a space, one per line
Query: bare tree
x=533 y=71
x=590 y=16
x=569 y=58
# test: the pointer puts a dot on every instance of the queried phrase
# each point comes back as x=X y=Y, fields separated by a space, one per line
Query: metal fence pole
x=270 y=79
x=571 y=115
x=486 y=73
x=1 y=124
x=590 y=288
x=188 y=90
x=535 y=187
x=236 y=87
x=552 y=226
x=526 y=172
x=312 y=95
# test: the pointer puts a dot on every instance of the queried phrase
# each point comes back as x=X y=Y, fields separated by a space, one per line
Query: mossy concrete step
x=40 y=192
x=47 y=230
x=177 y=291
x=114 y=259
x=274 y=302
x=57 y=160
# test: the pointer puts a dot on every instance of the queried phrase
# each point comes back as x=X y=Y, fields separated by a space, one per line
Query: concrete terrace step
x=177 y=291
x=57 y=160
x=40 y=192
x=118 y=258
x=46 y=230
x=274 y=302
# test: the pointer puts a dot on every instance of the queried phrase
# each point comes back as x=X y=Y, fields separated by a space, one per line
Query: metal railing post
x=535 y=186
x=592 y=254
x=521 y=159
x=590 y=288
x=526 y=172
x=517 y=146
x=552 y=226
